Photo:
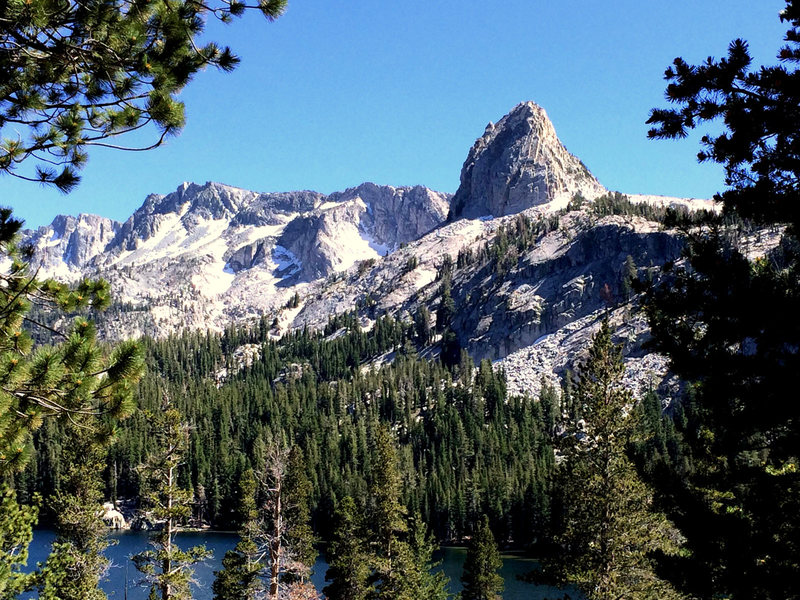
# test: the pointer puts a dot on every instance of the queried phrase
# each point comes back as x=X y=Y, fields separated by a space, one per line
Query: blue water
x=130 y=543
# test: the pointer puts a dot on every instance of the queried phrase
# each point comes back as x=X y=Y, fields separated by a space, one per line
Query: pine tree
x=422 y=325
x=168 y=569
x=387 y=515
x=300 y=536
x=75 y=380
x=16 y=533
x=76 y=564
x=348 y=569
x=77 y=73
x=629 y=276
x=729 y=325
x=426 y=581
x=402 y=551
x=75 y=377
x=480 y=578
x=286 y=538
x=447 y=307
x=239 y=578
x=610 y=530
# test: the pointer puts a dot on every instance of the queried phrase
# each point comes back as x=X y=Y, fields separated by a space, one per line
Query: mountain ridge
x=205 y=256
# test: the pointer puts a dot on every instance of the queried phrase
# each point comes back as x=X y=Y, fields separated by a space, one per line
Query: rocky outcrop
x=248 y=256
x=519 y=163
x=113 y=518
x=70 y=243
x=361 y=223
x=271 y=209
x=573 y=272
x=396 y=216
x=191 y=203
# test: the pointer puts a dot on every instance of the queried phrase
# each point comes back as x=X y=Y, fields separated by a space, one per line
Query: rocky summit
x=519 y=163
x=532 y=249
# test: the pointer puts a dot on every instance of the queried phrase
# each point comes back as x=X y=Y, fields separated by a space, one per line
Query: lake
x=129 y=543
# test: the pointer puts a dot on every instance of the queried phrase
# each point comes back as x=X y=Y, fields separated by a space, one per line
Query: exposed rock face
x=197 y=204
x=69 y=243
x=359 y=224
x=208 y=255
x=519 y=163
x=397 y=216
x=572 y=273
x=113 y=518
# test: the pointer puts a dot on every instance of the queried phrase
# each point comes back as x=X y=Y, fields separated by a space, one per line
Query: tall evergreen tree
x=168 y=569
x=348 y=558
x=480 y=578
x=401 y=552
x=73 y=74
x=75 y=380
x=16 y=533
x=286 y=537
x=74 y=377
x=729 y=324
x=628 y=277
x=387 y=515
x=76 y=564
x=300 y=537
x=239 y=578
x=610 y=530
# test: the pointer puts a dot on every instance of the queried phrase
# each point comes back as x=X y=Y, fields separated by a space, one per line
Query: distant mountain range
x=530 y=264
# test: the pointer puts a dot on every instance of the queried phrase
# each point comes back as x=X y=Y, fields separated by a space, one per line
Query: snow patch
x=285 y=259
x=353 y=245
x=691 y=204
x=213 y=284
x=380 y=249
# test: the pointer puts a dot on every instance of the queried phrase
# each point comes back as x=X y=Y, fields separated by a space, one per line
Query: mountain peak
x=518 y=163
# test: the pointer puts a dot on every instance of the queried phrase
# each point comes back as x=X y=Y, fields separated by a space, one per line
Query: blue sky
x=336 y=93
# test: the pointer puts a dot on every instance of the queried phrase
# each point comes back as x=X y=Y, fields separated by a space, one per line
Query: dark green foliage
x=74 y=376
x=73 y=74
x=511 y=240
x=167 y=568
x=576 y=202
x=466 y=449
x=239 y=577
x=422 y=325
x=608 y=529
x=76 y=564
x=300 y=537
x=615 y=203
x=480 y=578
x=76 y=390
x=447 y=307
x=348 y=557
x=629 y=277
x=450 y=353
x=411 y=263
x=729 y=325
x=402 y=552
x=759 y=145
x=16 y=533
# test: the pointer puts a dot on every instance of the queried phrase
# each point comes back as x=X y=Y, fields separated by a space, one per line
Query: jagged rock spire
x=516 y=164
